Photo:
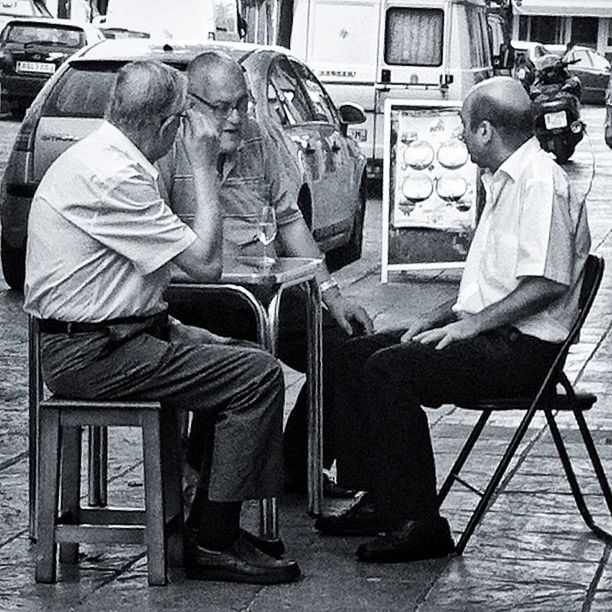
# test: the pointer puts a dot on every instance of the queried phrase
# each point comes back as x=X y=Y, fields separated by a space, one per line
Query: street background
x=531 y=552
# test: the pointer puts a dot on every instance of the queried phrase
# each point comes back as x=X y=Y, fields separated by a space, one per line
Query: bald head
x=503 y=102
x=212 y=70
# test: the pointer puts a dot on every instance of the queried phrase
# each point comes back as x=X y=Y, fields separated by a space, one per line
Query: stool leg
x=47 y=496
x=70 y=487
x=154 y=494
x=172 y=475
x=98 y=459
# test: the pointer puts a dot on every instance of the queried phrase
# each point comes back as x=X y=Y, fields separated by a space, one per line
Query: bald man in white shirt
x=517 y=299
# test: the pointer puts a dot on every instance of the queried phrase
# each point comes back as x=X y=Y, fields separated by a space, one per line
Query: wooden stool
x=61 y=422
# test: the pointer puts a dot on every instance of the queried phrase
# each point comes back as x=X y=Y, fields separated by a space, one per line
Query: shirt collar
x=514 y=164
x=116 y=137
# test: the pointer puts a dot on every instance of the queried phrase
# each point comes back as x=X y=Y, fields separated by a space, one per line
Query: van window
x=480 y=54
x=414 y=36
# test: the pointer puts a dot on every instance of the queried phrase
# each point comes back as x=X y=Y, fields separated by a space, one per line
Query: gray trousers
x=237 y=386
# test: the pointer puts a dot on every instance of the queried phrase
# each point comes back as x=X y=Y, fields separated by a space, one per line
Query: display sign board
x=431 y=189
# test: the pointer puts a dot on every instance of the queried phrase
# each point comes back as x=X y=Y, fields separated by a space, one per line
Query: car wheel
x=351 y=251
x=13 y=265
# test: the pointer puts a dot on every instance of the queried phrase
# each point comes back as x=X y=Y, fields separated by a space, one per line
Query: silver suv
x=289 y=103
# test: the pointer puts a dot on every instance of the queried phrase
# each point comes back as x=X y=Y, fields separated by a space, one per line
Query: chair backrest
x=591 y=280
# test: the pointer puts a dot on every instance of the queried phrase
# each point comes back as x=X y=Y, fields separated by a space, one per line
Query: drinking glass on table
x=266 y=232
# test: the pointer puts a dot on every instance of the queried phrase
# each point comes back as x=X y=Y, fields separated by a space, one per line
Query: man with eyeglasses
x=101 y=241
x=251 y=175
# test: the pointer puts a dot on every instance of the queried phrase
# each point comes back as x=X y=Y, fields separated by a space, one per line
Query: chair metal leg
x=485 y=500
x=155 y=529
x=98 y=476
x=595 y=459
x=572 y=480
x=70 y=487
x=47 y=496
x=464 y=453
x=172 y=477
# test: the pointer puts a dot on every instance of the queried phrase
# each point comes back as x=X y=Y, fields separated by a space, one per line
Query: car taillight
x=25 y=137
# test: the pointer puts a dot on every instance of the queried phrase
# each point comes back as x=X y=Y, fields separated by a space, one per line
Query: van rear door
x=412 y=47
x=338 y=39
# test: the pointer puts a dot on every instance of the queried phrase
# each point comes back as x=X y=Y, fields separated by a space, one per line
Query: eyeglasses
x=180 y=115
x=224 y=109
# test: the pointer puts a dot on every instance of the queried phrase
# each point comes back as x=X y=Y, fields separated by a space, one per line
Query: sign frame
x=386 y=266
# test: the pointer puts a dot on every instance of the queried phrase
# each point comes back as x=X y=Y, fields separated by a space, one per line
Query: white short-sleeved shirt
x=100 y=237
x=530 y=226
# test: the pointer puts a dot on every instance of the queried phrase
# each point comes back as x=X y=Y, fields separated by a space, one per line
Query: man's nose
x=234 y=116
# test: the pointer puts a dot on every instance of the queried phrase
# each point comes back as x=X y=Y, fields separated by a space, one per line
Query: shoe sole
x=225 y=575
x=398 y=558
x=357 y=533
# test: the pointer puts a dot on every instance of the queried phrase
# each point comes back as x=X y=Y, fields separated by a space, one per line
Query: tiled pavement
x=531 y=552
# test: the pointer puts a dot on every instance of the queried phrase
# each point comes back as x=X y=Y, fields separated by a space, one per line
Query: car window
x=23 y=33
x=583 y=57
x=82 y=91
x=414 y=36
x=599 y=61
x=321 y=104
x=288 y=99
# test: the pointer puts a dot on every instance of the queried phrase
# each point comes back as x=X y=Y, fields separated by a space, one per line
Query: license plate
x=37 y=67
x=555 y=120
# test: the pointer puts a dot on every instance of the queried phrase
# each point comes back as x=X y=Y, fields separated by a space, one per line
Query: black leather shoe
x=242 y=562
x=415 y=540
x=274 y=547
x=361 y=519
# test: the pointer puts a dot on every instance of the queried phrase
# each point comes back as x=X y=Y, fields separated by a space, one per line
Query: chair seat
x=59 y=402
x=582 y=401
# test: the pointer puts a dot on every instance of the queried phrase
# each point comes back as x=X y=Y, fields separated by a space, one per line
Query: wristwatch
x=326 y=285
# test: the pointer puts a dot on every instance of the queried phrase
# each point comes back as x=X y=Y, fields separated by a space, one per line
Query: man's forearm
x=207 y=216
x=531 y=296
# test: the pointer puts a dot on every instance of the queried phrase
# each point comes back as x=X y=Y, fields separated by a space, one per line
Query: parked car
x=290 y=104
x=592 y=68
x=9 y=9
x=31 y=50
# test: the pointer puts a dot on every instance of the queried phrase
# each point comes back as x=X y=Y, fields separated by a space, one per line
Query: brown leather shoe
x=242 y=562
x=361 y=519
x=413 y=541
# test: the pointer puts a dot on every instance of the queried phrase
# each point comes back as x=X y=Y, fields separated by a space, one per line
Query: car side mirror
x=351 y=114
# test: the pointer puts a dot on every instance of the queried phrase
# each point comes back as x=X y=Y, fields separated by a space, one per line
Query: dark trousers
x=238 y=389
x=384 y=444
x=229 y=316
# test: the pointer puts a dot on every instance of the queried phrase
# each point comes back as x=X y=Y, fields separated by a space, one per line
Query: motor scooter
x=555 y=96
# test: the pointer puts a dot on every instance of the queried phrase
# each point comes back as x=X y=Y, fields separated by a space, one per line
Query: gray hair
x=144 y=94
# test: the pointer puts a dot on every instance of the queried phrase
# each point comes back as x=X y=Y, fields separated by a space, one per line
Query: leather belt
x=53 y=326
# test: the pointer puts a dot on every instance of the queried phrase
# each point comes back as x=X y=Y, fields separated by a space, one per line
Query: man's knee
x=264 y=367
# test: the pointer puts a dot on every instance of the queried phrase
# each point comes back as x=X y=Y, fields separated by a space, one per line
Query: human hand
x=353 y=319
x=443 y=336
x=416 y=325
x=201 y=139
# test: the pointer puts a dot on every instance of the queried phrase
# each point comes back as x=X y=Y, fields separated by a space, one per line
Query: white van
x=367 y=51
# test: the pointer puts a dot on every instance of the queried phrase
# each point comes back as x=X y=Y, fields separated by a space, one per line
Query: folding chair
x=548 y=399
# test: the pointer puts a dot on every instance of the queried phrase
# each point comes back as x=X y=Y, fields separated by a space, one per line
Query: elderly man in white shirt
x=101 y=243
x=517 y=298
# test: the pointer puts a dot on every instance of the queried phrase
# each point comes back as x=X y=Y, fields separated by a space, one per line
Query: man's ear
x=486 y=130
